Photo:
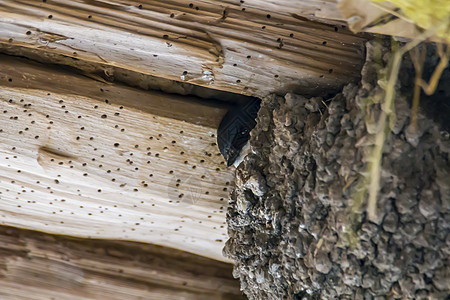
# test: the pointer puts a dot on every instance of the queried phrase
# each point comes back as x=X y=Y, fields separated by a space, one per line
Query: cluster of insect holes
x=84 y=164
x=280 y=40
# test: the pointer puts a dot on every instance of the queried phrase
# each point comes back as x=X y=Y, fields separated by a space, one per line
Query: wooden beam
x=38 y=266
x=83 y=158
x=324 y=11
x=224 y=46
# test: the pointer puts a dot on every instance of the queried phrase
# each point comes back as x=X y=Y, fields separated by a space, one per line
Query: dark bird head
x=234 y=130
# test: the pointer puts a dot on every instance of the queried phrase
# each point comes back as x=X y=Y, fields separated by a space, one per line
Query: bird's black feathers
x=234 y=129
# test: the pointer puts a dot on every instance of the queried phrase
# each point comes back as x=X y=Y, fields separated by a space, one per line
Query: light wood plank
x=142 y=167
x=219 y=45
x=324 y=11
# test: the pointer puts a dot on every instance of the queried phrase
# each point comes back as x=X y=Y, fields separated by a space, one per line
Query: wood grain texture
x=227 y=46
x=324 y=11
x=39 y=266
x=84 y=158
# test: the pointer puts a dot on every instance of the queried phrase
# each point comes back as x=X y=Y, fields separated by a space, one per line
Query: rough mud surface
x=290 y=211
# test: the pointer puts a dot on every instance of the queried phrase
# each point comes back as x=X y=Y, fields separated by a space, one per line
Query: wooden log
x=221 y=45
x=38 y=266
x=83 y=158
x=324 y=11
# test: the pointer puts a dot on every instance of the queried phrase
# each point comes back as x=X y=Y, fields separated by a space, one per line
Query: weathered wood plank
x=324 y=11
x=37 y=266
x=84 y=158
x=224 y=46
